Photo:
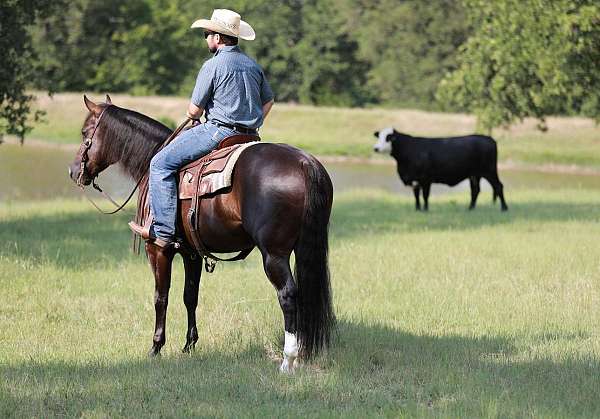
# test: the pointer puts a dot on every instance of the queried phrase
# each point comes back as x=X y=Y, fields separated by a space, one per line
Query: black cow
x=423 y=161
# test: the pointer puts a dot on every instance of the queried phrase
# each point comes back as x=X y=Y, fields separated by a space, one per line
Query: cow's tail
x=315 y=317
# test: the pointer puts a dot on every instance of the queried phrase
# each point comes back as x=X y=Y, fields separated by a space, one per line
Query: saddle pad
x=214 y=173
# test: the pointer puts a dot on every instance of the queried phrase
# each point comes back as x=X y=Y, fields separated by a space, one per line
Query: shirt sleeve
x=204 y=86
x=266 y=94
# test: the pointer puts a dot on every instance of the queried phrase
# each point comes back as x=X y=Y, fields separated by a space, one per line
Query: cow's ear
x=376 y=134
x=395 y=132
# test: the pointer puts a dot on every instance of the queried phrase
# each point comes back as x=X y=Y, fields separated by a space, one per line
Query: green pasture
x=349 y=132
x=446 y=314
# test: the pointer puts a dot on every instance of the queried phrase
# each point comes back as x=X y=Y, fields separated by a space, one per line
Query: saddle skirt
x=211 y=173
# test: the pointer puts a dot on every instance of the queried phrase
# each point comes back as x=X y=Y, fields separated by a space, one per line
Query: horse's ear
x=108 y=101
x=92 y=107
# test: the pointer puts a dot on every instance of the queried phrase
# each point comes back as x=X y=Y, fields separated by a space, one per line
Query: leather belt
x=238 y=128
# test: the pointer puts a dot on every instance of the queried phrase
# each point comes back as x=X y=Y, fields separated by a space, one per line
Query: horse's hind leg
x=277 y=268
x=193 y=271
x=160 y=262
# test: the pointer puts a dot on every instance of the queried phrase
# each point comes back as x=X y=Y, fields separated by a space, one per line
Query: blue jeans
x=187 y=147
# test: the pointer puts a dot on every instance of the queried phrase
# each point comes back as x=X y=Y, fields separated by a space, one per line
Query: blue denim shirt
x=232 y=88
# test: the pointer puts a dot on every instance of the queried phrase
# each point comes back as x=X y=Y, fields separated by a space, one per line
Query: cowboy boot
x=144 y=232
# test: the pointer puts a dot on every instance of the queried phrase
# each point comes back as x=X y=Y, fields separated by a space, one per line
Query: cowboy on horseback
x=235 y=97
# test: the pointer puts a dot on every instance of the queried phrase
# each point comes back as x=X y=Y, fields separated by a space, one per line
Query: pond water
x=34 y=172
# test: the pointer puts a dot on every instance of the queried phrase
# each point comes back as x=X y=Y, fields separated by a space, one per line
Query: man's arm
x=194 y=112
x=267 y=108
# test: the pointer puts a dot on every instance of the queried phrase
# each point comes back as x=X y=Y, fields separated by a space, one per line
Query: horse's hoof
x=189 y=348
x=287 y=367
x=154 y=353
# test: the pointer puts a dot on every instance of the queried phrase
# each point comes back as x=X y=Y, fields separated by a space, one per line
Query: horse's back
x=267 y=198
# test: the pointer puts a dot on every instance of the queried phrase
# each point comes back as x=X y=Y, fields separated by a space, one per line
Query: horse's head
x=91 y=158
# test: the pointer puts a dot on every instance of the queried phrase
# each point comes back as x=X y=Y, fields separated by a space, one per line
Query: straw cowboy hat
x=226 y=22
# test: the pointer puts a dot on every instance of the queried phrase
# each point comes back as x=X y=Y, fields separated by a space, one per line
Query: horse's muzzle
x=74 y=174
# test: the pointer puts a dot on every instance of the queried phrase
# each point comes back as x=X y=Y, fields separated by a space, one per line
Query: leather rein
x=85 y=147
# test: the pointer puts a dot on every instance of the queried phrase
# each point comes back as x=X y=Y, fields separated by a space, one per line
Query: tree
x=18 y=57
x=84 y=48
x=408 y=45
x=528 y=59
x=331 y=73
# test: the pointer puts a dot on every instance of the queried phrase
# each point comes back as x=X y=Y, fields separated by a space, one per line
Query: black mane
x=131 y=138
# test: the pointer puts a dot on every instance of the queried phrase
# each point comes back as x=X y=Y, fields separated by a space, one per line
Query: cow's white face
x=384 y=141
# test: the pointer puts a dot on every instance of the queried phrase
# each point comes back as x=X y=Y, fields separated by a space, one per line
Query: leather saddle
x=206 y=176
x=194 y=179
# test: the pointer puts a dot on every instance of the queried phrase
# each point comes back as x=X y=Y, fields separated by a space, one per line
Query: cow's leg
x=160 y=260
x=193 y=271
x=416 y=191
x=493 y=179
x=426 y=189
x=277 y=268
x=474 y=181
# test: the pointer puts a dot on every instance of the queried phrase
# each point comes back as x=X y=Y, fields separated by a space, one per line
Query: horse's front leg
x=193 y=272
x=160 y=260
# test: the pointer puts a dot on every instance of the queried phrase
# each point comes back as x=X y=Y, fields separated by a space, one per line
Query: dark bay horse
x=280 y=201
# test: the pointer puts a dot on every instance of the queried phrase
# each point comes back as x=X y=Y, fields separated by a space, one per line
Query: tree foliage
x=327 y=52
x=408 y=46
x=528 y=59
x=17 y=70
x=503 y=60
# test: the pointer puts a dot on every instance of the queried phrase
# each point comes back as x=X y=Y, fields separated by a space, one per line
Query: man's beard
x=212 y=49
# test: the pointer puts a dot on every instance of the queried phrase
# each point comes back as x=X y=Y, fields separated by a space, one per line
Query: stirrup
x=144 y=232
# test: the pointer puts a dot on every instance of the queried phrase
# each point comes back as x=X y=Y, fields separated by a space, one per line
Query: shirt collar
x=228 y=48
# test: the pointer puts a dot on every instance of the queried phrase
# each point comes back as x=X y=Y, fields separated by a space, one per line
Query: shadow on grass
x=68 y=239
x=371 y=370
x=87 y=239
x=371 y=216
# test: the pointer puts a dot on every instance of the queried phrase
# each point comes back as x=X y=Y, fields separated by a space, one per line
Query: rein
x=87 y=144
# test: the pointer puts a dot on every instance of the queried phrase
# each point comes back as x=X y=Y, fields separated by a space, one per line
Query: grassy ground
x=446 y=314
x=349 y=132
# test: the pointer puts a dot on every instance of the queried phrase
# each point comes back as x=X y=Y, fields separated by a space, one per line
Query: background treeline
x=325 y=52
x=501 y=60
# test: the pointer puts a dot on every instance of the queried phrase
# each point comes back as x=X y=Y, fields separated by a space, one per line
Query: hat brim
x=246 y=31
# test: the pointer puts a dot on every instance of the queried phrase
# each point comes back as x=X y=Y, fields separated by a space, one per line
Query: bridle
x=85 y=147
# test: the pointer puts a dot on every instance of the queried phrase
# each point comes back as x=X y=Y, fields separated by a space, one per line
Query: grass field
x=349 y=132
x=446 y=314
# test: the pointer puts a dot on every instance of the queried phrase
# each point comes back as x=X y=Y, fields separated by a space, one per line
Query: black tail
x=315 y=317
